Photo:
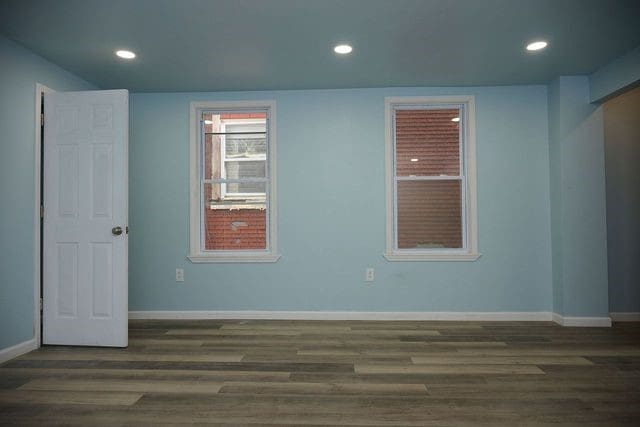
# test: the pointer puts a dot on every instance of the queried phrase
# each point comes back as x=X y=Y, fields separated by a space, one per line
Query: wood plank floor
x=334 y=373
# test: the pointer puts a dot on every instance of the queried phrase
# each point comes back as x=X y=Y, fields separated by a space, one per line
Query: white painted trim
x=573 y=321
x=596 y=322
x=195 y=254
x=37 y=168
x=471 y=253
x=533 y=316
x=489 y=316
x=557 y=318
x=18 y=350
x=432 y=257
x=194 y=181
x=251 y=257
x=629 y=316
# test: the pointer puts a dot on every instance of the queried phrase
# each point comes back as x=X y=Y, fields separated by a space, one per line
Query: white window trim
x=196 y=255
x=470 y=253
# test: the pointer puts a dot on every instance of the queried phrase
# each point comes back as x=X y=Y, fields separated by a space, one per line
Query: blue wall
x=578 y=202
x=19 y=71
x=616 y=76
x=555 y=194
x=331 y=205
x=538 y=148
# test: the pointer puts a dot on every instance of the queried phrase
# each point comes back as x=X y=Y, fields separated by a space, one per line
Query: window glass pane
x=245 y=146
x=233 y=225
x=427 y=142
x=246 y=189
x=233 y=126
x=252 y=121
x=245 y=169
x=429 y=214
x=235 y=193
x=233 y=136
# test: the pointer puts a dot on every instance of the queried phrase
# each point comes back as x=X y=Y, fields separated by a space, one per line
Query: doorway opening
x=622 y=156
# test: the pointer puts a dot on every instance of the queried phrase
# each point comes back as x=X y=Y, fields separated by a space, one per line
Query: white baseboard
x=557 y=318
x=593 y=322
x=629 y=316
x=534 y=316
x=18 y=350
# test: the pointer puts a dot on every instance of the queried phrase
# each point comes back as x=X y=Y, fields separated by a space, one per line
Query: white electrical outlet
x=179 y=275
x=369 y=274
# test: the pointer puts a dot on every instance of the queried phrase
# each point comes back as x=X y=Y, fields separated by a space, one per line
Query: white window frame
x=196 y=252
x=469 y=252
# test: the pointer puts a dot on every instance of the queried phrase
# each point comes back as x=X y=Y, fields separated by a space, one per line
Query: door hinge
x=41 y=212
x=40 y=304
x=41 y=119
x=126 y=229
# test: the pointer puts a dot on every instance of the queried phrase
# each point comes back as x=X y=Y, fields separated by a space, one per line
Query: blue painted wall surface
x=615 y=76
x=331 y=204
x=555 y=170
x=578 y=201
x=540 y=192
x=19 y=71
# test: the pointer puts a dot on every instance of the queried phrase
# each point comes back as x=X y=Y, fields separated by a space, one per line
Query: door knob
x=116 y=231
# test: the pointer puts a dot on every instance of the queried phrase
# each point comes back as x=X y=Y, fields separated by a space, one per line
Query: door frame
x=37 y=213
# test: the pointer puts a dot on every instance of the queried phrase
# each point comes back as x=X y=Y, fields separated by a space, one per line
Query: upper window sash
x=248 y=134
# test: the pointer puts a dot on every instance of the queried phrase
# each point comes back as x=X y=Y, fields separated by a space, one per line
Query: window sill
x=394 y=256
x=202 y=259
x=238 y=207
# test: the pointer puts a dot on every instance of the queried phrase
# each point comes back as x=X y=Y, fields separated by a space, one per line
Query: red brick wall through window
x=235 y=229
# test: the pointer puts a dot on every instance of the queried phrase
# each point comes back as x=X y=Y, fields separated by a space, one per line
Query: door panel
x=101 y=280
x=85 y=286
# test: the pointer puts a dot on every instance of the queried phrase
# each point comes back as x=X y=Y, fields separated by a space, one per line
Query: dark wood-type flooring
x=334 y=373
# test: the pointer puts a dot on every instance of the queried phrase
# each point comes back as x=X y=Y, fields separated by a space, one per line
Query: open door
x=85 y=300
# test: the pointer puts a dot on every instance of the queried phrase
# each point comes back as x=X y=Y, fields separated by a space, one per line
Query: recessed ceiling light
x=125 y=54
x=455 y=119
x=414 y=160
x=342 y=49
x=537 y=45
x=208 y=122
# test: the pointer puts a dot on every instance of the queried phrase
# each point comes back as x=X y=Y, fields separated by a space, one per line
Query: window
x=233 y=209
x=431 y=187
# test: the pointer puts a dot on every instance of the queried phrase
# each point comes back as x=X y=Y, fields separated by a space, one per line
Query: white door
x=85 y=300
